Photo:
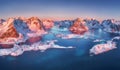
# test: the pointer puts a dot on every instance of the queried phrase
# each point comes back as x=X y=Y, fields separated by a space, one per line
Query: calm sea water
x=66 y=59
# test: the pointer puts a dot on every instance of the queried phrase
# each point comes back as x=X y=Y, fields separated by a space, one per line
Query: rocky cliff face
x=8 y=34
x=48 y=24
x=1 y=21
x=12 y=28
x=7 y=30
x=31 y=29
x=92 y=23
x=21 y=26
x=111 y=26
x=35 y=24
x=64 y=24
x=79 y=27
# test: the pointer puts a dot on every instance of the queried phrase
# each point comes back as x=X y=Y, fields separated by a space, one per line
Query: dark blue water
x=66 y=59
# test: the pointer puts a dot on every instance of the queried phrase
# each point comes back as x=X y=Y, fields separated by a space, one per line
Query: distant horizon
x=59 y=18
x=98 y=9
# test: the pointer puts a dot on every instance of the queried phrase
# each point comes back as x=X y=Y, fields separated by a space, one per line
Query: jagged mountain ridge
x=14 y=29
x=8 y=30
x=79 y=27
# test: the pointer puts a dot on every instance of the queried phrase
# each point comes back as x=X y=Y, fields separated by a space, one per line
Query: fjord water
x=77 y=58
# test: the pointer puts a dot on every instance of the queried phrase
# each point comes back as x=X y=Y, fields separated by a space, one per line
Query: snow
x=111 y=26
x=60 y=29
x=101 y=48
x=93 y=24
x=117 y=37
x=20 y=49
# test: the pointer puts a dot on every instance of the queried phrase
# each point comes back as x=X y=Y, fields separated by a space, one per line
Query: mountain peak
x=8 y=30
x=33 y=26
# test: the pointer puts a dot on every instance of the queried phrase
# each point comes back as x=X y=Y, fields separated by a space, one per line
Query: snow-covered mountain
x=79 y=26
x=35 y=24
x=47 y=24
x=111 y=26
x=21 y=26
x=8 y=31
x=92 y=23
x=14 y=30
x=1 y=21
x=64 y=24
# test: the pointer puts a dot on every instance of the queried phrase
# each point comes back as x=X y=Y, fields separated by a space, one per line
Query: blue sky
x=100 y=9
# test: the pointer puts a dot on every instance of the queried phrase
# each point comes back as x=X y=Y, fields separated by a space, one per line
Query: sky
x=99 y=9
